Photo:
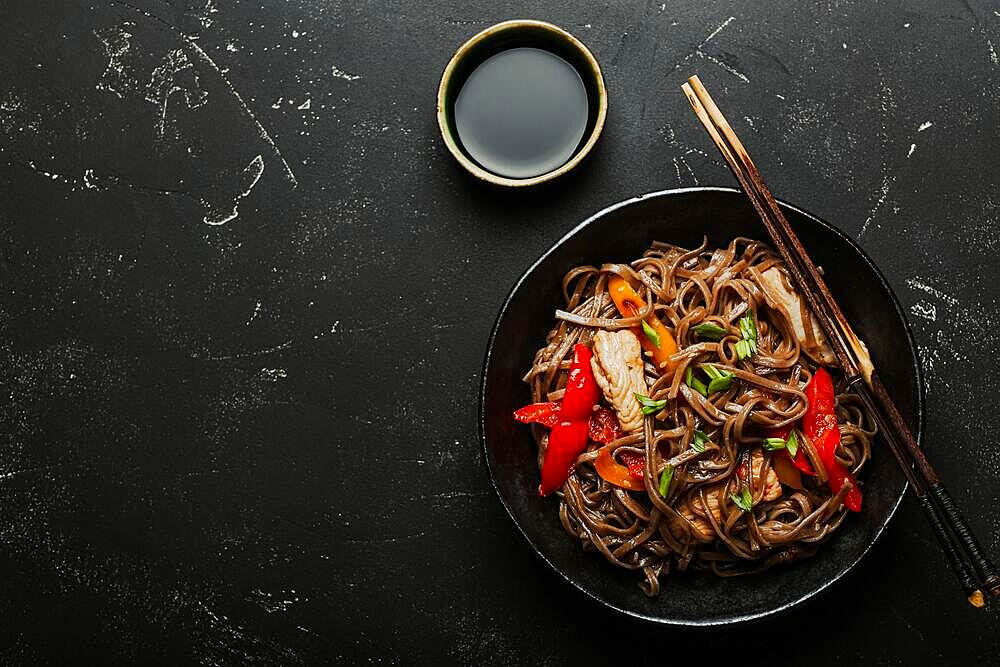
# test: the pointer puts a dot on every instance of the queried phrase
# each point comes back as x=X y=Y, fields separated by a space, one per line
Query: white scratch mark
x=918 y=284
x=255 y=313
x=698 y=49
x=749 y=121
x=993 y=52
x=386 y=540
x=887 y=182
x=924 y=309
x=273 y=374
x=450 y=495
x=906 y=25
x=341 y=74
x=277 y=103
x=251 y=174
x=913 y=147
x=724 y=65
x=779 y=96
x=207 y=60
x=715 y=32
x=677 y=167
x=163 y=83
x=924 y=126
x=48 y=174
x=231 y=47
x=688 y=167
x=305 y=105
x=845 y=45
x=116 y=41
x=245 y=355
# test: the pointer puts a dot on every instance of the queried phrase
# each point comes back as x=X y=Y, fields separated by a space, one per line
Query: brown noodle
x=640 y=530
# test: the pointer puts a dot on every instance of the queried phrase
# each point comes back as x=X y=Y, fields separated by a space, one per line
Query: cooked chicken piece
x=703 y=531
x=781 y=297
x=693 y=510
x=617 y=365
x=772 y=487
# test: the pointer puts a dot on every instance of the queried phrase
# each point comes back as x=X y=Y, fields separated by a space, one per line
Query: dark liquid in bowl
x=522 y=112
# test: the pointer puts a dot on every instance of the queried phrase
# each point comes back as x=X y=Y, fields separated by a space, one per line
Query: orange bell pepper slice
x=786 y=471
x=609 y=469
x=629 y=304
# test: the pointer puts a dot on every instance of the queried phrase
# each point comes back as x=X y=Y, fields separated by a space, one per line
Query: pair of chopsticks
x=974 y=570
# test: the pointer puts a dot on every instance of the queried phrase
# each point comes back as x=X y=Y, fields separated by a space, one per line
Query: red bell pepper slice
x=582 y=391
x=604 y=427
x=635 y=462
x=568 y=438
x=801 y=461
x=566 y=441
x=820 y=425
x=546 y=414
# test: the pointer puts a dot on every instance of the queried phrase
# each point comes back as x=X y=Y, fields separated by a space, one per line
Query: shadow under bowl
x=620 y=233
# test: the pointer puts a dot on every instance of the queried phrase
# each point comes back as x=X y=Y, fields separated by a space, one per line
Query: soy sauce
x=522 y=112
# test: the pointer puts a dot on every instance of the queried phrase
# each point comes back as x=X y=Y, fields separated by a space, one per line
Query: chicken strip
x=694 y=511
x=772 y=487
x=617 y=365
x=781 y=297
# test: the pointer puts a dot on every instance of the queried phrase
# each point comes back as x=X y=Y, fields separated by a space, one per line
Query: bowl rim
x=488 y=33
x=919 y=408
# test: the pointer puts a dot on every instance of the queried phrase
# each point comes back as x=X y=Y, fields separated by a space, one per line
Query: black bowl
x=621 y=233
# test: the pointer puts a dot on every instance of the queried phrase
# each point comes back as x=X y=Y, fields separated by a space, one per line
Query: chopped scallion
x=651 y=334
x=649 y=406
x=748 y=330
x=719 y=380
x=699 y=441
x=665 y=477
x=711 y=371
x=693 y=382
x=720 y=384
x=708 y=331
x=745 y=348
x=744 y=500
x=792 y=444
x=773 y=444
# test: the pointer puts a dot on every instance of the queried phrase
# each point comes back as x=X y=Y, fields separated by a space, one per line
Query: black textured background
x=254 y=440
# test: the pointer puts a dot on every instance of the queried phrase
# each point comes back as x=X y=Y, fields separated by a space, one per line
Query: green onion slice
x=792 y=444
x=693 y=382
x=649 y=406
x=708 y=331
x=651 y=334
x=699 y=441
x=773 y=444
x=744 y=500
x=665 y=477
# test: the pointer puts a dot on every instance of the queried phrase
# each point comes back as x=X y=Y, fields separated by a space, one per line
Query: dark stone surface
x=255 y=441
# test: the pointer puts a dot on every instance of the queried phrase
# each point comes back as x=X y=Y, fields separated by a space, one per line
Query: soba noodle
x=696 y=526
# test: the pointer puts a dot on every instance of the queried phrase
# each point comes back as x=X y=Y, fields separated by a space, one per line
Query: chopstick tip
x=977 y=600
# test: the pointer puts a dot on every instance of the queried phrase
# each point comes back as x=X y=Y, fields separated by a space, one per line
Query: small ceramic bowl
x=508 y=35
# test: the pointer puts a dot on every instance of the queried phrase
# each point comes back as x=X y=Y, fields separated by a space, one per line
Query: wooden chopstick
x=807 y=278
x=956 y=538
